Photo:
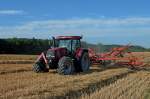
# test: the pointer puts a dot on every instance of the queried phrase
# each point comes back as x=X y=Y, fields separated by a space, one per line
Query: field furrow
x=130 y=87
x=28 y=84
x=14 y=68
x=17 y=57
x=17 y=80
x=16 y=61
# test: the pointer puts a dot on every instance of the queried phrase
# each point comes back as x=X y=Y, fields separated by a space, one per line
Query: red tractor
x=65 y=55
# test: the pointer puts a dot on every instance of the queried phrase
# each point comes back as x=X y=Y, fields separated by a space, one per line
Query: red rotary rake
x=119 y=56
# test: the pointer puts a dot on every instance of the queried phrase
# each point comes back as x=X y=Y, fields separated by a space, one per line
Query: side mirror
x=81 y=36
x=53 y=41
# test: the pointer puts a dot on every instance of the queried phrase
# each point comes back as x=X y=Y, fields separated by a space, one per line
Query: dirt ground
x=18 y=81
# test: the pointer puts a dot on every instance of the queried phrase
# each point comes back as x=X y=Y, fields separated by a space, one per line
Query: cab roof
x=68 y=37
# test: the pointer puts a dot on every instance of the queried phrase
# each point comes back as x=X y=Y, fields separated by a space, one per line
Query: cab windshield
x=71 y=45
x=64 y=43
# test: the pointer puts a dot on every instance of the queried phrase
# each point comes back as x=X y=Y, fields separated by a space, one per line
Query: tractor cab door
x=75 y=45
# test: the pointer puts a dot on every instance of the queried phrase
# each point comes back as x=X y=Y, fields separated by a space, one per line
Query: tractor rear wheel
x=65 y=66
x=39 y=67
x=85 y=62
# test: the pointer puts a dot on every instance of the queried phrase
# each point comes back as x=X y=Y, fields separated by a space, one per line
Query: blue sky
x=105 y=21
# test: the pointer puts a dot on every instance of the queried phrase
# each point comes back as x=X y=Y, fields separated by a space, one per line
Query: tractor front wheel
x=65 y=66
x=39 y=67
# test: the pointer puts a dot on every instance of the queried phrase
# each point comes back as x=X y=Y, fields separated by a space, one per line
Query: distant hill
x=104 y=48
x=36 y=46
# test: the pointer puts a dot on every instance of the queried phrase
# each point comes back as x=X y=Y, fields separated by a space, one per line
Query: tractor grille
x=50 y=54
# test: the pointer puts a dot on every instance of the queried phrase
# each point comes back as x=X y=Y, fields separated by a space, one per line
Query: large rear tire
x=65 y=66
x=39 y=67
x=85 y=62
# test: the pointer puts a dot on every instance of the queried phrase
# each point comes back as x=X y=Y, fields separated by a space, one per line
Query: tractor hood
x=56 y=49
x=56 y=52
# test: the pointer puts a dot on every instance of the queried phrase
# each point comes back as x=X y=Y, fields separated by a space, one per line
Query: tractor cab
x=71 y=43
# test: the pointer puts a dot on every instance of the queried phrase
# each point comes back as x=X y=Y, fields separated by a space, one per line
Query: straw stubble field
x=18 y=81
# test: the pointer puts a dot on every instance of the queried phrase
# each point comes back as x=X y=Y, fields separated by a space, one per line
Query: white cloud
x=11 y=12
x=89 y=23
x=112 y=30
x=87 y=26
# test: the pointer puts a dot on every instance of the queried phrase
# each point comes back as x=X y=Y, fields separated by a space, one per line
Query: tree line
x=36 y=46
x=23 y=46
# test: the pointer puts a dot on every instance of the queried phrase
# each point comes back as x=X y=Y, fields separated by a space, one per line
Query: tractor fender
x=42 y=57
x=79 y=52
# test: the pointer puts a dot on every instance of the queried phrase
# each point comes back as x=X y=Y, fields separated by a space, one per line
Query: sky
x=99 y=21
